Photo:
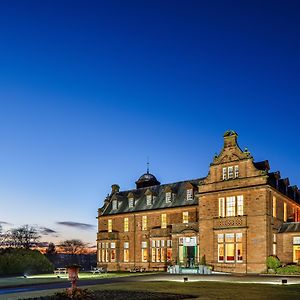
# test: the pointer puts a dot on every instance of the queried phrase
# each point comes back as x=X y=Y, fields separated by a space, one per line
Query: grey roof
x=290 y=227
x=178 y=188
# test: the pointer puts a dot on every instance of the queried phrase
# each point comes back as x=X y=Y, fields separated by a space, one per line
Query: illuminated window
x=169 y=254
x=185 y=217
x=230 y=247
x=131 y=202
x=149 y=199
x=220 y=247
x=230 y=206
x=274 y=206
x=126 y=225
x=236 y=171
x=230 y=172
x=239 y=247
x=153 y=254
x=126 y=251
x=274 y=244
x=162 y=254
x=113 y=252
x=109 y=225
x=168 y=197
x=240 y=205
x=163 y=220
x=224 y=173
x=221 y=207
x=284 y=212
x=144 y=223
x=296 y=249
x=169 y=243
x=189 y=195
x=144 y=255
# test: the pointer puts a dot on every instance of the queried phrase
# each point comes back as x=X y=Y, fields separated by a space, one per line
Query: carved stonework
x=230 y=222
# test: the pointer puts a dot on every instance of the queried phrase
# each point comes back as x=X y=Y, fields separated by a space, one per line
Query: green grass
x=203 y=290
x=45 y=278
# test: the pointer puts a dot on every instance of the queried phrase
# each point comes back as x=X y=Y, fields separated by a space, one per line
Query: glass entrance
x=188 y=251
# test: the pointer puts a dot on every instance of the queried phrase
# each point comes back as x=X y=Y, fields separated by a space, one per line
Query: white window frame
x=222 y=207
x=189 y=195
x=224 y=176
x=185 y=217
x=230 y=172
x=149 y=200
x=236 y=171
x=168 y=197
x=131 y=202
x=240 y=205
x=230 y=206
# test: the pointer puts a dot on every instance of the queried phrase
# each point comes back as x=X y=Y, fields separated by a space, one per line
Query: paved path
x=261 y=279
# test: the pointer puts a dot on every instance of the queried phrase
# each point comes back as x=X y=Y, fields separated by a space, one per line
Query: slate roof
x=178 y=188
x=290 y=227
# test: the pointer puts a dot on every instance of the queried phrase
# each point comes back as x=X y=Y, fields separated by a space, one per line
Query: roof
x=290 y=227
x=159 y=201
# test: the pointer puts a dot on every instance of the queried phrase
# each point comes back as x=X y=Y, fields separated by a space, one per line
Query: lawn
x=45 y=278
x=202 y=290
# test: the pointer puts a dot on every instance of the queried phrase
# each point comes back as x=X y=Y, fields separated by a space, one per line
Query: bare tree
x=73 y=246
x=23 y=237
x=51 y=249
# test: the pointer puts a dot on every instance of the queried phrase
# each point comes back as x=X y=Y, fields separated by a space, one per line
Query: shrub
x=16 y=261
x=273 y=262
x=288 y=270
x=203 y=260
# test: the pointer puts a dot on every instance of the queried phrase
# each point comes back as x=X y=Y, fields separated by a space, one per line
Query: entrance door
x=190 y=256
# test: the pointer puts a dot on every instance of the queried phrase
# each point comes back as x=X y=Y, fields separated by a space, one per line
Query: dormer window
x=149 y=199
x=189 y=195
x=168 y=197
x=115 y=204
x=131 y=202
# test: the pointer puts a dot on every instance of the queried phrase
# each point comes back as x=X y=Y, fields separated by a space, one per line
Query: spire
x=148 y=164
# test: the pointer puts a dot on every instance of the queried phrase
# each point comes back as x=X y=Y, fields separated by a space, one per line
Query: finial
x=147 y=164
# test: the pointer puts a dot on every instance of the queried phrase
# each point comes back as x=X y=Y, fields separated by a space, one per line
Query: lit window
x=144 y=255
x=109 y=225
x=153 y=243
x=236 y=171
x=189 y=195
x=149 y=199
x=274 y=206
x=230 y=172
x=224 y=173
x=229 y=247
x=144 y=244
x=157 y=243
x=240 y=205
x=153 y=254
x=126 y=225
x=113 y=255
x=169 y=243
x=284 y=212
x=220 y=247
x=163 y=220
x=296 y=249
x=221 y=207
x=274 y=244
x=162 y=254
x=169 y=254
x=115 y=204
x=230 y=206
x=168 y=197
x=131 y=202
x=144 y=223
x=185 y=217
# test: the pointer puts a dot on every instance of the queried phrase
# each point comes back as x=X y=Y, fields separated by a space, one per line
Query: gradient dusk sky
x=90 y=89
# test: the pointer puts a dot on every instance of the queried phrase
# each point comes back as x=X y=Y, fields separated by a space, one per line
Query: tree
x=23 y=237
x=73 y=246
x=51 y=249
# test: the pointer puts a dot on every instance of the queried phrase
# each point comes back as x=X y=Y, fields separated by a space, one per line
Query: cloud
x=47 y=231
x=4 y=223
x=82 y=226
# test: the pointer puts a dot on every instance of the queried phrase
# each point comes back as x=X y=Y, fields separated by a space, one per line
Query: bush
x=19 y=261
x=203 y=260
x=288 y=270
x=273 y=262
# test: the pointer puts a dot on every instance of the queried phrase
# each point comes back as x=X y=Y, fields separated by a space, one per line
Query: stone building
x=236 y=216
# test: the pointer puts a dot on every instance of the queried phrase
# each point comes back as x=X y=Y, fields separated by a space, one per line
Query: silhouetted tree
x=51 y=249
x=73 y=246
x=23 y=237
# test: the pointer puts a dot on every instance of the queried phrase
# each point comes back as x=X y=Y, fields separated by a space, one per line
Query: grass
x=202 y=290
x=46 y=278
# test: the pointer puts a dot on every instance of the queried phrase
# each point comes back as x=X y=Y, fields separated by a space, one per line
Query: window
x=131 y=202
x=153 y=254
x=224 y=173
x=221 y=207
x=189 y=195
x=109 y=225
x=149 y=199
x=126 y=225
x=163 y=220
x=169 y=243
x=236 y=171
x=113 y=252
x=230 y=172
x=144 y=251
x=144 y=223
x=274 y=206
x=240 y=205
x=126 y=251
x=144 y=244
x=230 y=206
x=296 y=249
x=169 y=254
x=284 y=212
x=230 y=247
x=185 y=217
x=114 y=204
x=168 y=197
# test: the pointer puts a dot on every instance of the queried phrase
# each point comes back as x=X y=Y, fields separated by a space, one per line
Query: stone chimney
x=230 y=139
x=115 y=188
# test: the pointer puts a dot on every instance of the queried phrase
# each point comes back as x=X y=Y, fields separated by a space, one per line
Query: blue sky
x=89 y=89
